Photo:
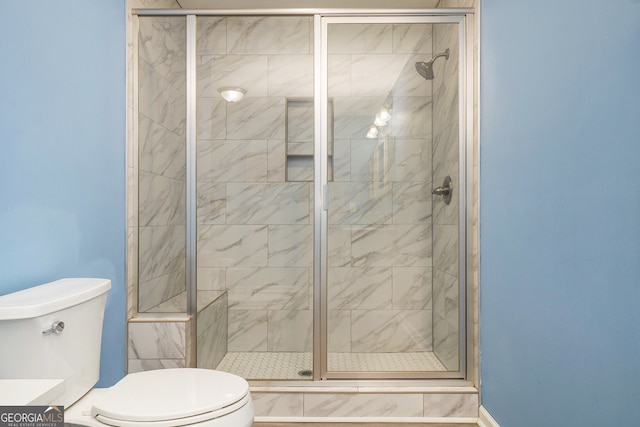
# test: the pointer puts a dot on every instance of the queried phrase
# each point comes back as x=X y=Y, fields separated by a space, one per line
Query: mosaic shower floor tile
x=289 y=365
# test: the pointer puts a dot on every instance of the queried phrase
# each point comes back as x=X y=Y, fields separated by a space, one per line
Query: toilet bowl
x=63 y=320
x=167 y=398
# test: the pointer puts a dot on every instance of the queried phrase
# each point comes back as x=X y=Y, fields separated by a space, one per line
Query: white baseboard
x=485 y=419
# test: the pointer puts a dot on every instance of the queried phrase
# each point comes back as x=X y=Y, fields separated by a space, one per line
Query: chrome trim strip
x=463 y=195
x=302 y=11
x=469 y=209
x=133 y=152
x=322 y=183
x=319 y=335
x=191 y=167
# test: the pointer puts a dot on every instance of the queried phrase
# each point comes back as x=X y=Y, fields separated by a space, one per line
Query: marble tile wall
x=254 y=228
x=161 y=159
x=446 y=298
x=211 y=327
x=157 y=344
x=356 y=404
x=380 y=233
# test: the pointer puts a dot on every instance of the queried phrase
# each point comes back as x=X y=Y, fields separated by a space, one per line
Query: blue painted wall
x=62 y=152
x=560 y=212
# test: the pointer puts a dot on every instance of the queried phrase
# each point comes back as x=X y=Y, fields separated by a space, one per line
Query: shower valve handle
x=445 y=190
x=441 y=191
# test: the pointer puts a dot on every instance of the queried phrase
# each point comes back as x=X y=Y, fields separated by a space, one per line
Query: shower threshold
x=292 y=365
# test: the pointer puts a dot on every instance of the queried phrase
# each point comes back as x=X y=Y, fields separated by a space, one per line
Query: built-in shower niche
x=299 y=139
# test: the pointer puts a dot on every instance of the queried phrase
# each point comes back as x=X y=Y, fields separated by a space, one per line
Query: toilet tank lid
x=51 y=297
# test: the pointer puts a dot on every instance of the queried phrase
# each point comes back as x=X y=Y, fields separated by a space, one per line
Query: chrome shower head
x=425 y=69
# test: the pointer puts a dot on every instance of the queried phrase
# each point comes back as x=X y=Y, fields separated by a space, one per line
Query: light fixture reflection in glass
x=385 y=114
x=382 y=117
x=231 y=93
x=373 y=132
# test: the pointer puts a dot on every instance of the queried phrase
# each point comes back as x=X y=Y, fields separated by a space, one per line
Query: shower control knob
x=445 y=190
x=56 y=328
x=441 y=191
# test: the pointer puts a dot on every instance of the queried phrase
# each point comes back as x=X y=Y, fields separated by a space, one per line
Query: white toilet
x=54 y=331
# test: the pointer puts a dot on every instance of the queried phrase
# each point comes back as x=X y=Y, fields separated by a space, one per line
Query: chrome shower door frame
x=465 y=105
x=322 y=18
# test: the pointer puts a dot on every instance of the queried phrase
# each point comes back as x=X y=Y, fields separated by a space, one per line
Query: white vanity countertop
x=30 y=392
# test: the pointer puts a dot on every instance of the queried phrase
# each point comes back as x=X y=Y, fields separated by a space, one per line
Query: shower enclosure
x=316 y=227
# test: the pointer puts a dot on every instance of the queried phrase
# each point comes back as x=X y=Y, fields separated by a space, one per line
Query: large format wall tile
x=247 y=330
x=256 y=118
x=161 y=200
x=268 y=288
x=160 y=101
x=211 y=203
x=445 y=153
x=412 y=203
x=161 y=250
x=372 y=160
x=211 y=34
x=360 y=38
x=268 y=203
x=412 y=117
x=445 y=249
x=452 y=405
x=290 y=330
x=162 y=44
x=387 y=68
x=373 y=246
x=290 y=245
x=156 y=340
x=360 y=288
x=339 y=331
x=360 y=203
x=232 y=246
x=269 y=35
x=391 y=330
x=412 y=288
x=413 y=38
x=160 y=151
x=211 y=118
x=232 y=161
x=278 y=405
x=354 y=115
x=290 y=75
x=339 y=245
x=212 y=329
x=409 y=82
x=249 y=72
x=153 y=292
x=413 y=245
x=413 y=159
x=363 y=405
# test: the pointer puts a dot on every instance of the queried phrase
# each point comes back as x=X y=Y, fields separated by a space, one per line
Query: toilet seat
x=171 y=398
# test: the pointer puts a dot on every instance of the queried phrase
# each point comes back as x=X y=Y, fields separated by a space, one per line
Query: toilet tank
x=31 y=347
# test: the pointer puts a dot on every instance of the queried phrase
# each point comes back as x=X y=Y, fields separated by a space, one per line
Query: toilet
x=54 y=331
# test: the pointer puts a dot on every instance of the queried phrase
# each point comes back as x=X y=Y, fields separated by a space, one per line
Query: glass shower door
x=254 y=194
x=393 y=263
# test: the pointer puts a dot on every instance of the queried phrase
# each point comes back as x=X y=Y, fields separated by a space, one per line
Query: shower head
x=425 y=69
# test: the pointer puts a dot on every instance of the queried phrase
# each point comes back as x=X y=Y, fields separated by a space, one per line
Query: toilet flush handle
x=56 y=328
